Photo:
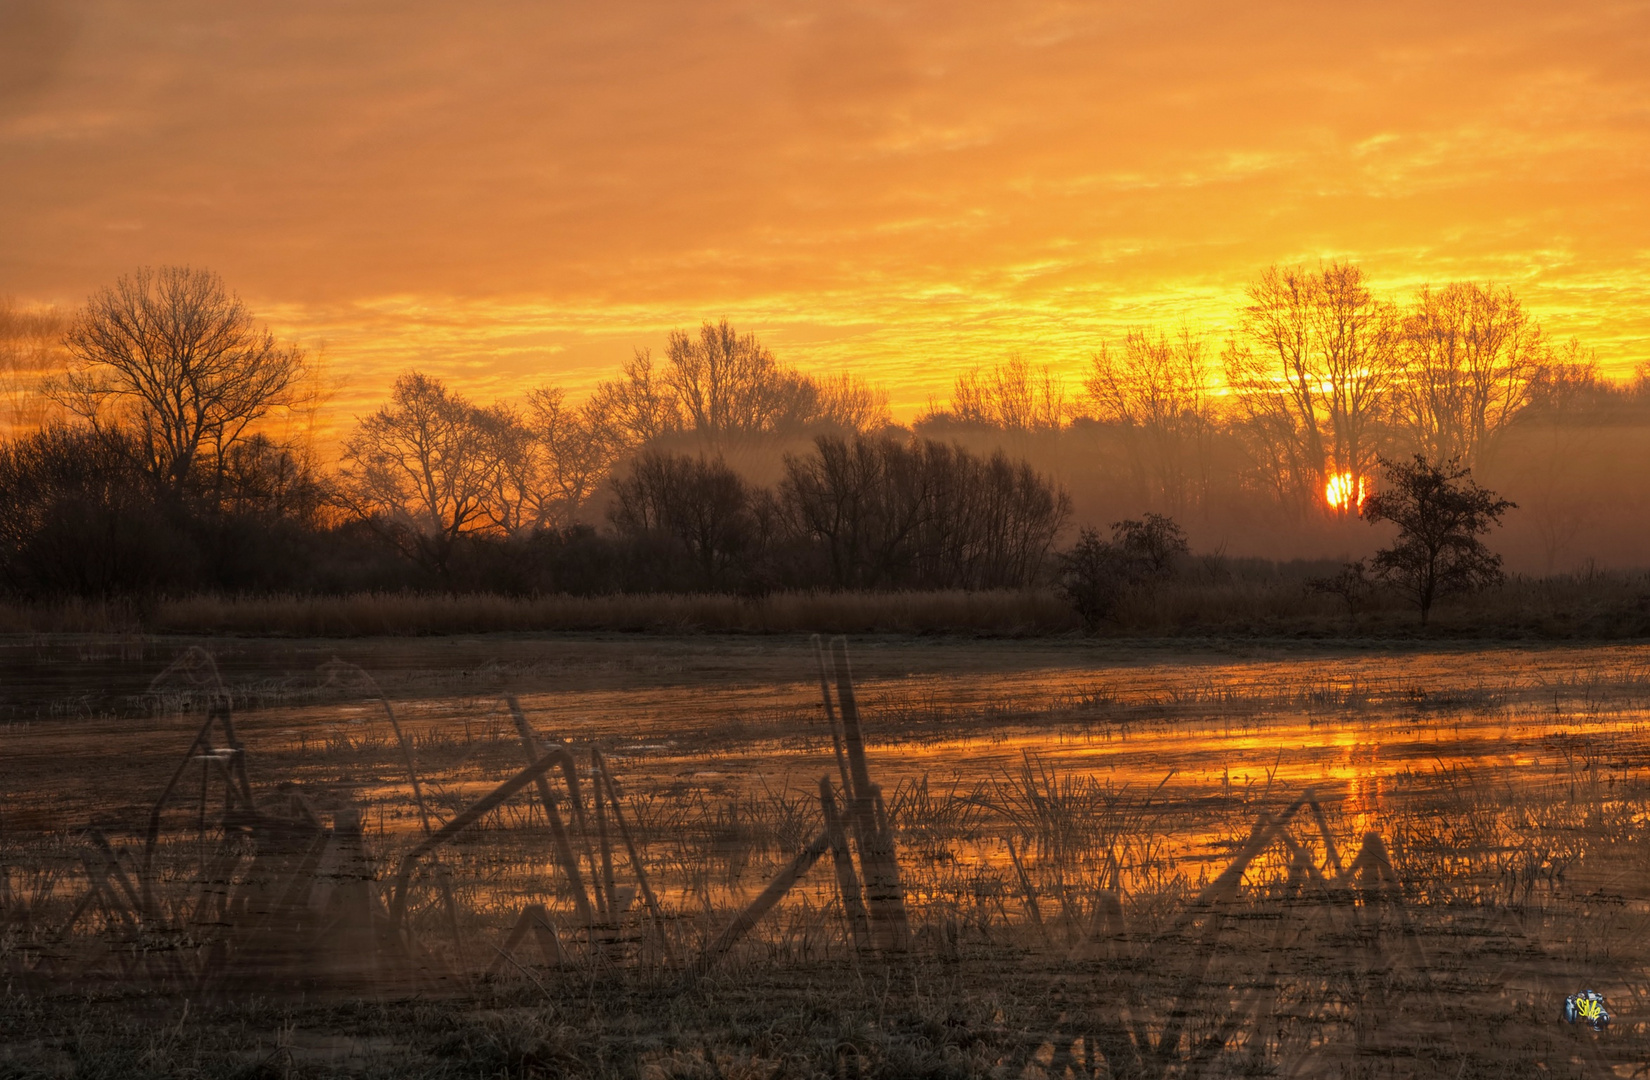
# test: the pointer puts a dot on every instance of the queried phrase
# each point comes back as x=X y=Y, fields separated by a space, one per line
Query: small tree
x=1091 y=580
x=1096 y=574
x=1440 y=514
x=1152 y=546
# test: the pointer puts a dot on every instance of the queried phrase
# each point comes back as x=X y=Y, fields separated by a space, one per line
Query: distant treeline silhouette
x=81 y=517
x=159 y=447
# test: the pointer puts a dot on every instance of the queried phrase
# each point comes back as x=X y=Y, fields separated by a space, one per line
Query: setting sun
x=1344 y=492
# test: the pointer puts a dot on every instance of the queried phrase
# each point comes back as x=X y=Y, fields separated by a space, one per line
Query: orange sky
x=509 y=193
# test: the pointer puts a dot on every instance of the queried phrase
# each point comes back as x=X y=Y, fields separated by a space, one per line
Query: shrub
x=1096 y=573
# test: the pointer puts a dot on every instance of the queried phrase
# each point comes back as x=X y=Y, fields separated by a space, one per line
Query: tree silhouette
x=423 y=468
x=1096 y=574
x=921 y=514
x=1471 y=357
x=575 y=450
x=687 y=509
x=1440 y=513
x=1156 y=390
x=1311 y=371
x=173 y=358
x=723 y=388
x=730 y=385
x=1012 y=396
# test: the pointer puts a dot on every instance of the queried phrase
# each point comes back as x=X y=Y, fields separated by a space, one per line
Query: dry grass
x=396 y=615
x=1206 y=603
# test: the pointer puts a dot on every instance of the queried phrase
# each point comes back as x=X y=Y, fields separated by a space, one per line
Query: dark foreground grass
x=971 y=1017
x=807 y=1023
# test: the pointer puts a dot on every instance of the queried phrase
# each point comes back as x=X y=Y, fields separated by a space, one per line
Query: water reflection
x=1029 y=807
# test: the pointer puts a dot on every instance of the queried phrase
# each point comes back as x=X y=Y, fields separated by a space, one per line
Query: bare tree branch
x=174 y=358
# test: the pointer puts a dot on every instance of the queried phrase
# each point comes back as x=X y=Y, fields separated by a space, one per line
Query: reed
x=1006 y=612
x=1601 y=605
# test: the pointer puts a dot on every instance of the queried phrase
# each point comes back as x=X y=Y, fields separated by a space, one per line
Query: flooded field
x=612 y=856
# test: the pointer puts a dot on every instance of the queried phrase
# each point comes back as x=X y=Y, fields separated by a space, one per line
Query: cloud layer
x=518 y=192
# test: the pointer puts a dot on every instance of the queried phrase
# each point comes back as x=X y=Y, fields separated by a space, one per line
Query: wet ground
x=1025 y=781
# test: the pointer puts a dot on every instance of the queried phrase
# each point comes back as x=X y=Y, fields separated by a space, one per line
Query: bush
x=1096 y=574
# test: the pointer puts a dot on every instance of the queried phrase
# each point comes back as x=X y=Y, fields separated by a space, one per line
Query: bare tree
x=638 y=407
x=576 y=450
x=1012 y=396
x=30 y=347
x=921 y=513
x=1567 y=381
x=731 y=385
x=862 y=500
x=1157 y=390
x=990 y=523
x=1470 y=358
x=432 y=467
x=514 y=500
x=424 y=468
x=721 y=385
x=1312 y=369
x=848 y=402
x=76 y=518
x=690 y=508
x=174 y=358
x=265 y=479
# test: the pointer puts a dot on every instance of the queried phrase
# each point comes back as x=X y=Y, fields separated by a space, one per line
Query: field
x=1061 y=858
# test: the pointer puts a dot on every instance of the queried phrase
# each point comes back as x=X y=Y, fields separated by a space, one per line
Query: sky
x=516 y=193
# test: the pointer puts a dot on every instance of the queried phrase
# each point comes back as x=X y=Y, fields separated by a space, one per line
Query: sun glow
x=1344 y=491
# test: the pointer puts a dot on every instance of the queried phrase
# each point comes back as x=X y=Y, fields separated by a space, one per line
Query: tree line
x=172 y=462
x=165 y=475
x=1317 y=379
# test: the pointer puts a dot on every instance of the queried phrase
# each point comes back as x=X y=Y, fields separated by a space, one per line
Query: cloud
x=526 y=191
x=35 y=37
